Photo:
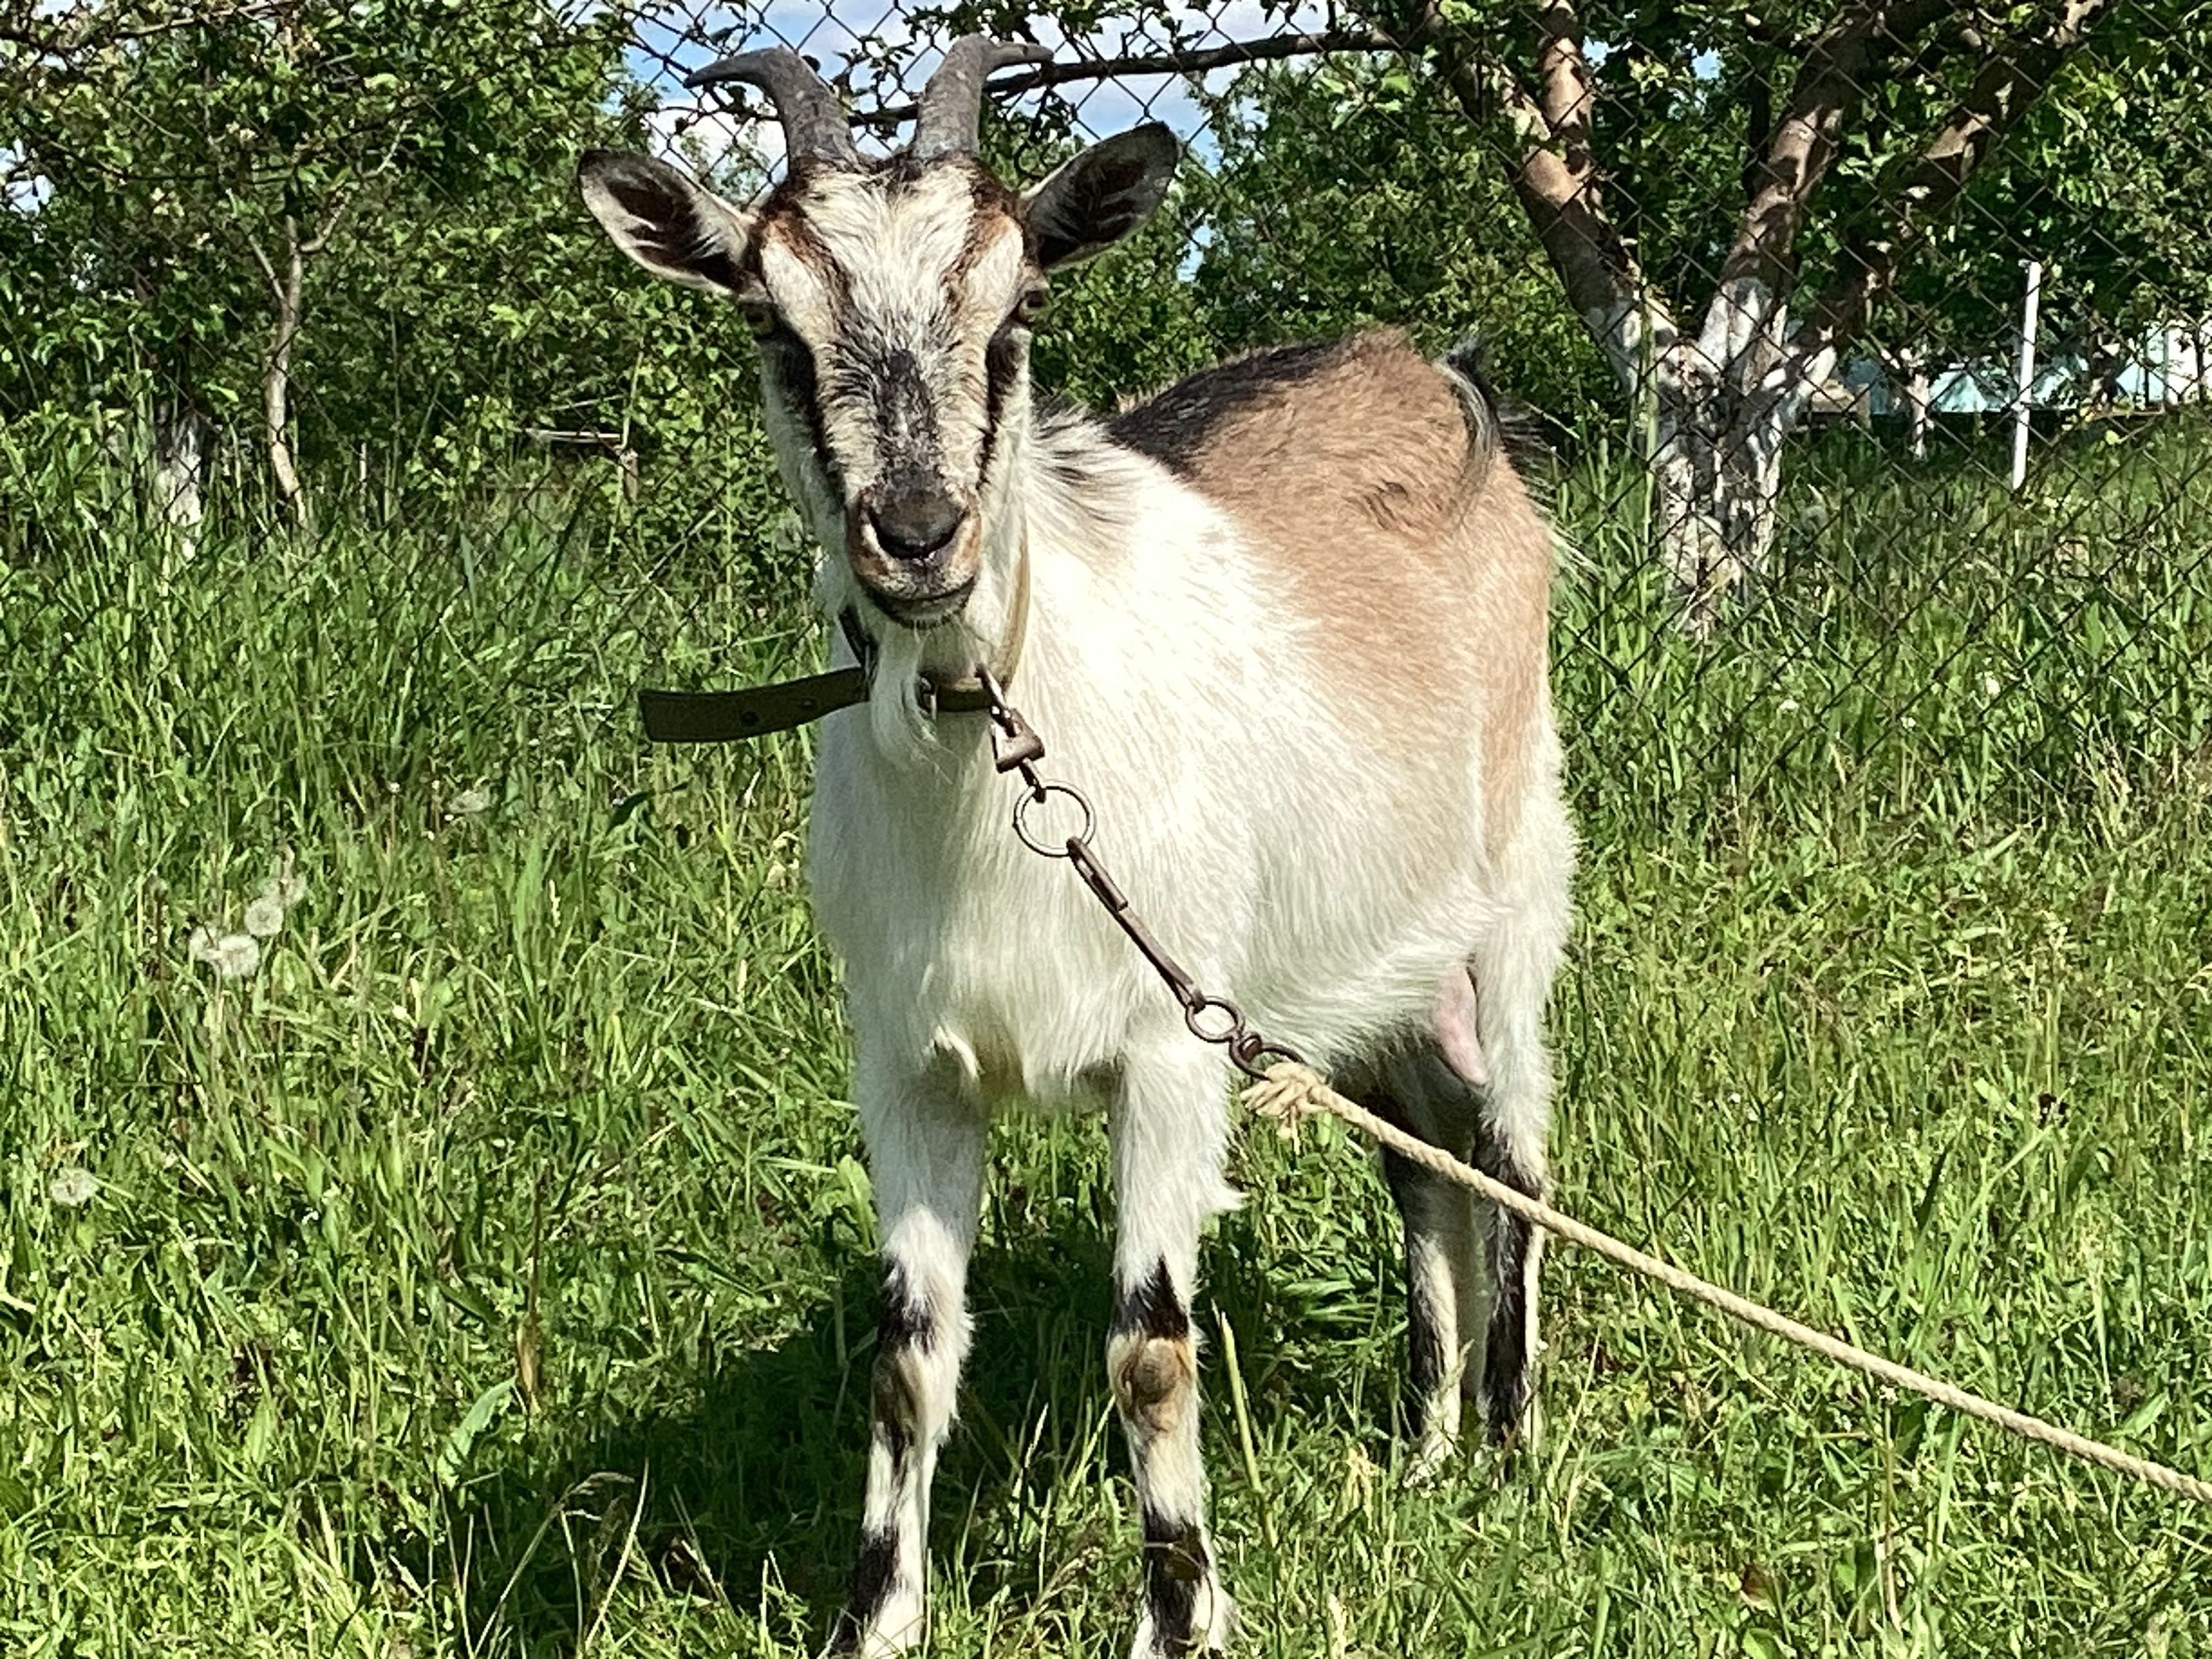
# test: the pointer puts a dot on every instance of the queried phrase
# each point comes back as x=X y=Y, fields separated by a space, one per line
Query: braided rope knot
x=1287 y=1096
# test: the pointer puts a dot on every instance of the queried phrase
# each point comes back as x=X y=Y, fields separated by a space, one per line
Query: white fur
x=1248 y=821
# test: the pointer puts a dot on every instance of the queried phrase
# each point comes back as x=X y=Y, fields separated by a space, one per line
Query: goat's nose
x=912 y=523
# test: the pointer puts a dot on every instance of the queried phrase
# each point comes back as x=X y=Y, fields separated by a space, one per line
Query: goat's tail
x=1498 y=427
x=1464 y=366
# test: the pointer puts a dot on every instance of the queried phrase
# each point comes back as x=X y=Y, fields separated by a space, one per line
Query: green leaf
x=470 y=1301
x=261 y=1431
x=466 y=1433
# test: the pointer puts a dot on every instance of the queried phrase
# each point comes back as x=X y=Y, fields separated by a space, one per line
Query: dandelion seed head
x=73 y=1188
x=470 y=801
x=1790 y=705
x=264 y=917
x=1992 y=685
x=235 y=955
x=285 y=888
x=200 y=944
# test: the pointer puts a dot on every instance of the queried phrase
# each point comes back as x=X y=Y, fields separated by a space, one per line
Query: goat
x=1284 y=621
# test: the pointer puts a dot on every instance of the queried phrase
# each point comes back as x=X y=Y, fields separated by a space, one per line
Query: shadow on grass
x=752 y=1484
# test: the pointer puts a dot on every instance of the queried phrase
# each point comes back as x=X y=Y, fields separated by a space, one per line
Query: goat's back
x=1372 y=492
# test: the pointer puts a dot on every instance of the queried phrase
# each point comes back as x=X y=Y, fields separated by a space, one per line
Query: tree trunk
x=286 y=291
x=180 y=438
x=2188 y=366
x=1725 y=404
x=276 y=383
x=1717 y=473
x=1918 y=401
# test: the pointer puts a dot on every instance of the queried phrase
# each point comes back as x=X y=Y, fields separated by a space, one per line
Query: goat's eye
x=760 y=317
x=1030 y=307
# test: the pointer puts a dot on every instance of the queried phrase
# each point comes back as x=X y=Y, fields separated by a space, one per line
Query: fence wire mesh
x=423 y=1221
x=1756 y=284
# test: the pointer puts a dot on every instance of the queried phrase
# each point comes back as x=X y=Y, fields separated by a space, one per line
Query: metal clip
x=1013 y=745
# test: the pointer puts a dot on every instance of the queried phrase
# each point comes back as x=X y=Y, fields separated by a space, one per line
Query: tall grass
x=487 y=1272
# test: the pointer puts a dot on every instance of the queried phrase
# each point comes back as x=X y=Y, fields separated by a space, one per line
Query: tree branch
x=1912 y=195
x=1195 y=61
x=1773 y=36
x=321 y=238
x=1554 y=174
x=277 y=378
x=1842 y=63
x=1568 y=89
x=276 y=284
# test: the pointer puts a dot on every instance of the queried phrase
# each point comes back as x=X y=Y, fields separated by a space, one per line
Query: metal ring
x=1044 y=792
x=1251 y=1050
x=1229 y=1034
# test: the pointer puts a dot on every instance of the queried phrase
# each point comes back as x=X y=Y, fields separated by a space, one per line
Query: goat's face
x=893 y=301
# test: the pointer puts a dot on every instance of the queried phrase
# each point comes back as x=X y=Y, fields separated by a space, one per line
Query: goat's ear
x=1095 y=200
x=673 y=227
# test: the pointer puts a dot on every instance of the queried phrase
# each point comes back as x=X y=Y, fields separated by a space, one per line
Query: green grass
x=488 y=1273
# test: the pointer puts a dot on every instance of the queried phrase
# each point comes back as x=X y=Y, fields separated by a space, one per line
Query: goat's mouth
x=919 y=612
x=914 y=590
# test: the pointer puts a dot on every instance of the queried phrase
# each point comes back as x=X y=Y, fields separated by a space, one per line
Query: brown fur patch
x=789 y=228
x=1425 y=569
x=1154 y=1379
x=896 y=1391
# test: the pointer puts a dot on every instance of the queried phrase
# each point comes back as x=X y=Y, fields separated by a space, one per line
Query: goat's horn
x=952 y=103
x=814 y=122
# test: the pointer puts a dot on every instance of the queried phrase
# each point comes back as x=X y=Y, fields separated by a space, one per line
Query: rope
x=1289 y=1093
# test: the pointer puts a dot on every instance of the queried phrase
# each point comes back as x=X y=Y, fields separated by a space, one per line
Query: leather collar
x=755 y=711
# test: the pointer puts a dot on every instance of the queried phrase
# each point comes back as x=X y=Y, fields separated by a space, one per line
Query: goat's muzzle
x=915 y=550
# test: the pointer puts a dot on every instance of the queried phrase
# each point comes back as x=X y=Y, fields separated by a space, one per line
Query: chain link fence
x=1861 y=351
x=426 y=1226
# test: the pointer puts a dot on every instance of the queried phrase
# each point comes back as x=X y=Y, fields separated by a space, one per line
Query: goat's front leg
x=1170 y=1130
x=926 y=1157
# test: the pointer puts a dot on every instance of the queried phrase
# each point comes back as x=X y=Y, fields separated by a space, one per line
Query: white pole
x=2026 y=379
x=1917 y=397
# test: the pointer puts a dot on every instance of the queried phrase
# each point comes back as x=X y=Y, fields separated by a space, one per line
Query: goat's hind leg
x=1418 y=1090
x=926 y=1157
x=1170 y=1132
x=1510 y=972
x=1477 y=1085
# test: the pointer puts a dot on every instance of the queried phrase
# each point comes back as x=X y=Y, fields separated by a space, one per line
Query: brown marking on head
x=788 y=230
x=996 y=208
